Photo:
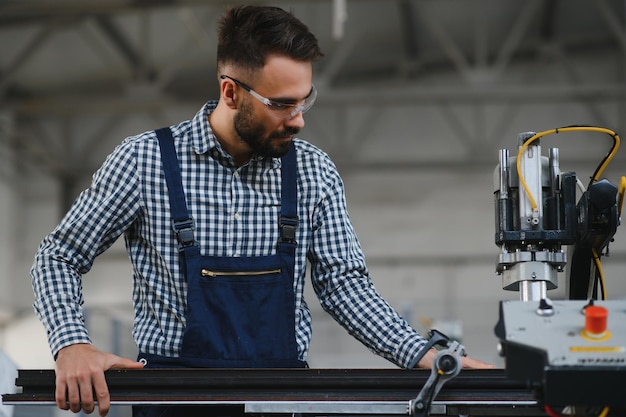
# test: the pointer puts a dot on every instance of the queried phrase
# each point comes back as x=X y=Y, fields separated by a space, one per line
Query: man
x=220 y=215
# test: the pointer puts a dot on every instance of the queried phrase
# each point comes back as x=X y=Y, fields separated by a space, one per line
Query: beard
x=254 y=134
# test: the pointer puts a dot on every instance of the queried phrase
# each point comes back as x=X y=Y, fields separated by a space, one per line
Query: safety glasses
x=280 y=109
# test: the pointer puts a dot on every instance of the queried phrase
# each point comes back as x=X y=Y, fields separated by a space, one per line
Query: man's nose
x=296 y=121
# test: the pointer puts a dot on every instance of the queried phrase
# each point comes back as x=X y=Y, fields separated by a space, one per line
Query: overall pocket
x=239 y=315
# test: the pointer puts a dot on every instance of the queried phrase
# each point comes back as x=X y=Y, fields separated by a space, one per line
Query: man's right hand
x=80 y=373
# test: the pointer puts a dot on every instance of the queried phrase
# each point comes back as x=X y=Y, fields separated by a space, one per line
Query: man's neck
x=224 y=132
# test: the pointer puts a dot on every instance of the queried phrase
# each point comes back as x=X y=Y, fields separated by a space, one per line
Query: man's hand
x=467 y=363
x=471 y=363
x=80 y=373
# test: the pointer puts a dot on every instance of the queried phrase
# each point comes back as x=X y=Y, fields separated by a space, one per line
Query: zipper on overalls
x=213 y=274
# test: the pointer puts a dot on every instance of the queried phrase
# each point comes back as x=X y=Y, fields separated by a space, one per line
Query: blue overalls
x=240 y=310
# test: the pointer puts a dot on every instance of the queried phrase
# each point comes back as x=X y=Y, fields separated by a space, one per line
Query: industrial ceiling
x=71 y=69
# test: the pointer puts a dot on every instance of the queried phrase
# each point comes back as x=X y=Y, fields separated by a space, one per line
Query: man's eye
x=275 y=105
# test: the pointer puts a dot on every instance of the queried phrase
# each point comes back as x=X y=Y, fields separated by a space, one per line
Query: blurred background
x=416 y=97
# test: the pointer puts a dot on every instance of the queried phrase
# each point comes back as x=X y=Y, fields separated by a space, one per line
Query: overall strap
x=182 y=222
x=289 y=199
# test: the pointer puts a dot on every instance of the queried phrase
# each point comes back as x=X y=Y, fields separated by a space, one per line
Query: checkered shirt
x=235 y=211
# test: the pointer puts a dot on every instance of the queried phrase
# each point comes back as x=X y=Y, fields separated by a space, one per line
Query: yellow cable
x=620 y=200
x=596 y=260
x=604 y=412
x=608 y=158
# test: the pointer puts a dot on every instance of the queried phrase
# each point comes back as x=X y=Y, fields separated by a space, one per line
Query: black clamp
x=437 y=338
x=288 y=228
x=184 y=233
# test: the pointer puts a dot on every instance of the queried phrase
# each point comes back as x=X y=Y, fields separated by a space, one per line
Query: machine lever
x=447 y=365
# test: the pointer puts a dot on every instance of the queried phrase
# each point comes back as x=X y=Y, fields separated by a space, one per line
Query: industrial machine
x=570 y=352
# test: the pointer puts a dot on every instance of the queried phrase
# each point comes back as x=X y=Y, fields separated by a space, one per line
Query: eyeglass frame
x=278 y=106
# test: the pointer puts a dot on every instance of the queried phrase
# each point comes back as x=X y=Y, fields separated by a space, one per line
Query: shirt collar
x=205 y=140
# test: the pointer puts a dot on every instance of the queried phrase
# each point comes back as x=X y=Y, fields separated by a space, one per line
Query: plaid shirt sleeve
x=342 y=281
x=94 y=222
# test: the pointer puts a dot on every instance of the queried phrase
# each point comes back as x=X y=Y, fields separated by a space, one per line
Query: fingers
x=471 y=363
x=84 y=397
x=102 y=394
x=74 y=392
x=60 y=393
x=80 y=380
x=100 y=387
x=123 y=363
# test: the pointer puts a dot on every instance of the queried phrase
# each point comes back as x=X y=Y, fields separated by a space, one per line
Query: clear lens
x=304 y=106
x=284 y=110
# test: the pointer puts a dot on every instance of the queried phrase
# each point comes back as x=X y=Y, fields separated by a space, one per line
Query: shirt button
x=236 y=216
x=236 y=174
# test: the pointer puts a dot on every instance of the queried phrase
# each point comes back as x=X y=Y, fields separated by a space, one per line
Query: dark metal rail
x=308 y=391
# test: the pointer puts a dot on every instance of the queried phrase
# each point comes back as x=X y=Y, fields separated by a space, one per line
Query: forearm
x=58 y=299
x=358 y=307
x=343 y=285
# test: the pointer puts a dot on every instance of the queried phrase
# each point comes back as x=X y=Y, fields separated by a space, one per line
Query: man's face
x=260 y=134
x=266 y=131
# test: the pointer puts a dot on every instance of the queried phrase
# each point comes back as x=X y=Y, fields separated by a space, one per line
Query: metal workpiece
x=306 y=391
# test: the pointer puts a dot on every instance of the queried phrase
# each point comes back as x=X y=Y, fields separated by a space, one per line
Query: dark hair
x=248 y=34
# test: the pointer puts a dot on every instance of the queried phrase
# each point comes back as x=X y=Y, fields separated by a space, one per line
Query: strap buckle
x=288 y=228
x=184 y=233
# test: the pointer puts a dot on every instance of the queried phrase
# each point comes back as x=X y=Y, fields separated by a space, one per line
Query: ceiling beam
x=131 y=54
x=15 y=13
x=33 y=45
x=527 y=15
x=358 y=97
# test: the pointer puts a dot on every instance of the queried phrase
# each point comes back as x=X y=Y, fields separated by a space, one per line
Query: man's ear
x=228 y=93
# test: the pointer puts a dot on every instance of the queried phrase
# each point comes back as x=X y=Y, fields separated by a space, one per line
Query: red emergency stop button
x=596 y=323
